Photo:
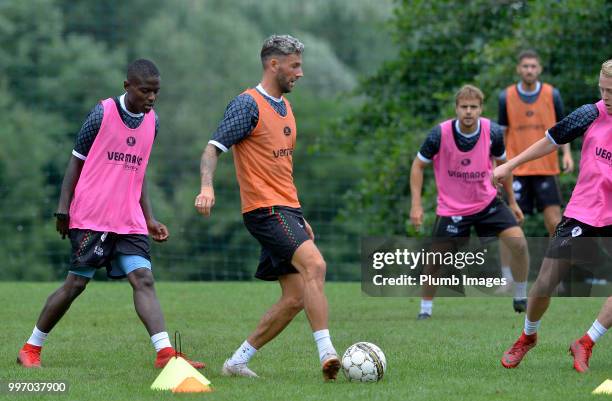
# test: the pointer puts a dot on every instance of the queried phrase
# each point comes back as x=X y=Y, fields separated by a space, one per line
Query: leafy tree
x=442 y=46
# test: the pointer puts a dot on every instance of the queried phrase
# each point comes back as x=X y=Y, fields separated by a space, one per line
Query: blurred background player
x=526 y=110
x=588 y=214
x=462 y=146
x=105 y=211
x=260 y=126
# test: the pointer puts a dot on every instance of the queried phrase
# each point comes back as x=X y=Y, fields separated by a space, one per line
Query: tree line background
x=378 y=75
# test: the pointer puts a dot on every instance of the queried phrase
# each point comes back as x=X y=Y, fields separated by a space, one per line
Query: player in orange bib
x=528 y=109
x=260 y=128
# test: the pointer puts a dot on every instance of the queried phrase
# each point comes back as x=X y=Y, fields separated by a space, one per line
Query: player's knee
x=142 y=280
x=316 y=270
x=293 y=304
x=518 y=245
x=76 y=286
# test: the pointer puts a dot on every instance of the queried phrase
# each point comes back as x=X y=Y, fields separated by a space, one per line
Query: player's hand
x=500 y=174
x=518 y=213
x=309 y=230
x=62 y=224
x=205 y=201
x=567 y=162
x=158 y=231
x=416 y=216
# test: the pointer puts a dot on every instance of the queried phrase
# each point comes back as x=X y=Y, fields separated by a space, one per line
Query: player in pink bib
x=105 y=211
x=462 y=153
x=588 y=216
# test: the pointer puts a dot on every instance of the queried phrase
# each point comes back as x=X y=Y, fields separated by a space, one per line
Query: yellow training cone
x=173 y=374
x=604 y=388
x=191 y=385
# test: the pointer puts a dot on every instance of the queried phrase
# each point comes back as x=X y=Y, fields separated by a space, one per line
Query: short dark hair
x=142 y=68
x=280 y=45
x=529 y=53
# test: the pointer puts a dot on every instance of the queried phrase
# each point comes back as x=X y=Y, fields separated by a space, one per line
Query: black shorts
x=540 y=191
x=578 y=241
x=489 y=222
x=280 y=230
x=97 y=249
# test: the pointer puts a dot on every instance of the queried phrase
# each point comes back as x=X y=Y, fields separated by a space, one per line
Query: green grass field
x=104 y=352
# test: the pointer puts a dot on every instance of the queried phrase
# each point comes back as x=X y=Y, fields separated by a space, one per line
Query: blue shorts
x=121 y=265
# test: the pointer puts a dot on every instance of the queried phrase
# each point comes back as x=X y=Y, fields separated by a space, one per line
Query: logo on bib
x=466 y=162
x=287 y=131
x=131 y=141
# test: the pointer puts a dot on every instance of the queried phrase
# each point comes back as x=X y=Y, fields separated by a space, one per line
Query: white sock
x=37 y=338
x=324 y=343
x=426 y=306
x=243 y=354
x=520 y=290
x=507 y=274
x=160 y=340
x=596 y=331
x=531 y=327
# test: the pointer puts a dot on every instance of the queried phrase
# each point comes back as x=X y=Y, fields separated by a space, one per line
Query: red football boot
x=165 y=354
x=29 y=356
x=581 y=350
x=515 y=354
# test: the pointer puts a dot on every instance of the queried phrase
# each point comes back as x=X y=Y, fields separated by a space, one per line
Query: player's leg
x=497 y=220
x=513 y=239
x=287 y=248
x=274 y=321
x=523 y=196
x=555 y=267
x=84 y=245
x=310 y=263
x=548 y=199
x=55 y=307
x=447 y=234
x=552 y=217
x=139 y=274
x=551 y=273
x=582 y=348
x=505 y=257
x=145 y=299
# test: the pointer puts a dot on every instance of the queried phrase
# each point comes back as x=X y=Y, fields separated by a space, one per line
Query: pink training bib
x=591 y=200
x=463 y=178
x=107 y=195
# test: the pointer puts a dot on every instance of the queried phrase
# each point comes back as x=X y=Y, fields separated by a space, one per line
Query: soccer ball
x=364 y=362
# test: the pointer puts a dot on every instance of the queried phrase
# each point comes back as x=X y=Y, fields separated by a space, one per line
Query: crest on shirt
x=287 y=131
x=131 y=141
x=529 y=113
x=466 y=162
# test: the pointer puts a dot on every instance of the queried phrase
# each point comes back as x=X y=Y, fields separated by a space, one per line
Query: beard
x=283 y=83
